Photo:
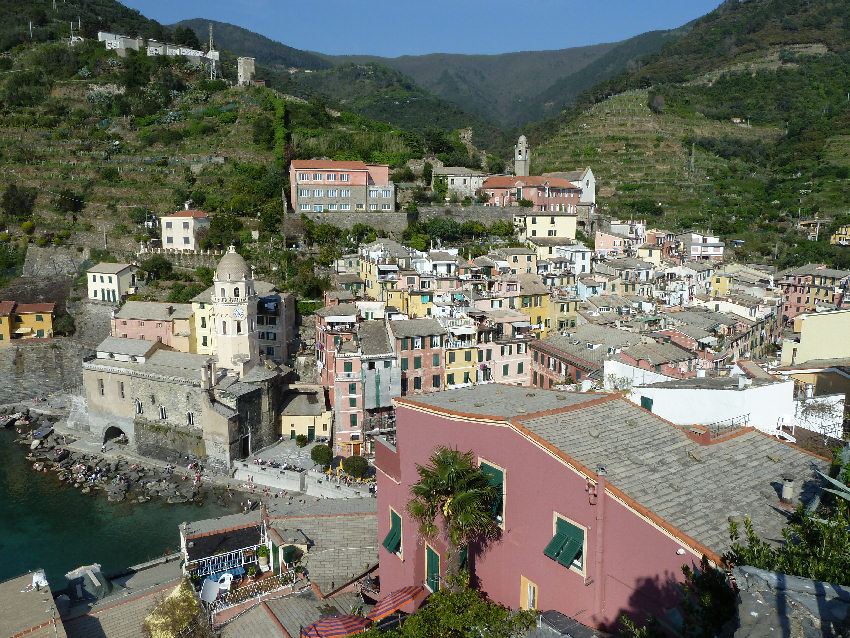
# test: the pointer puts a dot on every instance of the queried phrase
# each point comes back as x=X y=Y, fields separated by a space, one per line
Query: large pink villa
x=602 y=501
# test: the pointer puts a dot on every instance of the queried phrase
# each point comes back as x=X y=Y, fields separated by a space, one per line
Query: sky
x=392 y=28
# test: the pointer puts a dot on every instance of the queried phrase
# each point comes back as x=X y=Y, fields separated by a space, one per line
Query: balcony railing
x=222 y=562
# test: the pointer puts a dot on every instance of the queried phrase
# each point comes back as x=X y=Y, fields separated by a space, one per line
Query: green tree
x=205 y=275
x=64 y=325
x=157 y=266
x=355 y=466
x=455 y=613
x=452 y=489
x=67 y=201
x=18 y=201
x=427 y=173
x=322 y=455
x=301 y=440
x=262 y=132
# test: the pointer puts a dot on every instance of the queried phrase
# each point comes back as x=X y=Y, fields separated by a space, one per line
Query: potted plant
x=248 y=553
x=252 y=571
x=263 y=555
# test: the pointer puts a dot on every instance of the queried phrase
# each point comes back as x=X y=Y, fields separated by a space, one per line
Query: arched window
x=223 y=327
x=236 y=291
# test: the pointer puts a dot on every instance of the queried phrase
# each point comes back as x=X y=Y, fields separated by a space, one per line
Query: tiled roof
x=106 y=268
x=695 y=488
x=328 y=165
x=27 y=308
x=374 y=339
x=512 y=181
x=197 y=214
x=591 y=333
x=343 y=309
x=416 y=328
x=130 y=347
x=154 y=311
x=6 y=308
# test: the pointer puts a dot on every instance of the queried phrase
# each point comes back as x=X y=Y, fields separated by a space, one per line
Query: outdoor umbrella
x=394 y=602
x=336 y=627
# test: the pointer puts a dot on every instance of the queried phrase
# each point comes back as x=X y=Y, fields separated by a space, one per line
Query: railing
x=221 y=562
x=728 y=425
x=453 y=343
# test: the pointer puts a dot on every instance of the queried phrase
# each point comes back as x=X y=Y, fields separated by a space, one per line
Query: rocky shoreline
x=119 y=479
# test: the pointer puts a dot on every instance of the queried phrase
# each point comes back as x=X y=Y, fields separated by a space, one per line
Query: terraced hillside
x=639 y=156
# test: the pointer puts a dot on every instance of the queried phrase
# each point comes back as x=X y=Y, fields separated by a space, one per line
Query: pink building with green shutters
x=601 y=502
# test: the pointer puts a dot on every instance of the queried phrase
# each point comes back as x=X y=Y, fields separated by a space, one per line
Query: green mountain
x=742 y=127
x=242 y=42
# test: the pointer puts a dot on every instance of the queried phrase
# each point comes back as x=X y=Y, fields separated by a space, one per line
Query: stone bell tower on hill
x=235 y=313
x=522 y=157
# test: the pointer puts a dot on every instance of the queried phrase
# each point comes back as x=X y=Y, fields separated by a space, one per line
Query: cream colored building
x=531 y=224
x=111 y=282
x=649 y=253
x=234 y=315
x=822 y=335
x=181 y=230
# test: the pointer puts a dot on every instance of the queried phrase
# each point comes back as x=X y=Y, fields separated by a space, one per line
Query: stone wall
x=164 y=441
x=53 y=260
x=395 y=223
x=38 y=369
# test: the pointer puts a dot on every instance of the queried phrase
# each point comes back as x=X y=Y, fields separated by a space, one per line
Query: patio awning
x=23 y=331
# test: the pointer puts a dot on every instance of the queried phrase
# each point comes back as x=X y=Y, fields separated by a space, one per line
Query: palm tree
x=453 y=489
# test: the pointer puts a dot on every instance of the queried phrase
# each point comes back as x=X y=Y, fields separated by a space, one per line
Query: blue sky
x=398 y=27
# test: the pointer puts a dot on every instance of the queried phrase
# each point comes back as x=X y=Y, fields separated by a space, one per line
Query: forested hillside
x=675 y=155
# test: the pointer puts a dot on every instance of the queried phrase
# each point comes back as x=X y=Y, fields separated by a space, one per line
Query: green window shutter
x=346 y=366
x=404 y=344
x=464 y=557
x=489 y=354
x=519 y=368
x=417 y=363
x=480 y=356
x=567 y=544
x=451 y=356
x=432 y=569
x=352 y=388
x=496 y=477
x=404 y=364
x=388 y=364
x=436 y=360
x=392 y=541
x=468 y=355
x=536 y=355
x=352 y=402
x=466 y=378
x=646 y=403
x=450 y=379
x=505 y=369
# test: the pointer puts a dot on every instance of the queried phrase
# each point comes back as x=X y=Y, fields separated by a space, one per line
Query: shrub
x=355 y=466
x=301 y=440
x=28 y=227
x=322 y=455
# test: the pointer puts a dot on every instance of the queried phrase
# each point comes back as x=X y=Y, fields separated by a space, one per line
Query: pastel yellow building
x=841 y=236
x=652 y=254
x=532 y=224
x=25 y=321
x=306 y=411
x=415 y=303
x=203 y=326
x=461 y=365
x=821 y=335
x=563 y=313
x=722 y=284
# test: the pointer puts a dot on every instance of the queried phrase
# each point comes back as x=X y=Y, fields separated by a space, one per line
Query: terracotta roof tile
x=189 y=213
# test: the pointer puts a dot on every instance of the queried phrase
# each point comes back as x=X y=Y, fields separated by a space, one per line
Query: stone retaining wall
x=310 y=483
x=394 y=223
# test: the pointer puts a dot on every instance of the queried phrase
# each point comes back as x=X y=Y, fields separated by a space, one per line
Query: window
x=436 y=360
x=435 y=381
x=332 y=192
x=417 y=363
x=318 y=208
x=386 y=193
x=167 y=225
x=162 y=412
x=169 y=240
x=352 y=388
x=330 y=177
x=388 y=363
x=497 y=477
x=345 y=192
x=392 y=541
x=646 y=403
x=450 y=379
x=352 y=421
x=303 y=192
x=404 y=343
x=417 y=383
x=204 y=341
x=190 y=418
x=467 y=355
x=345 y=206
x=138 y=407
x=352 y=402
x=303 y=177
x=404 y=363
x=567 y=544
x=100 y=386
x=121 y=389
x=505 y=369
x=318 y=192
x=373 y=207
x=347 y=365
x=304 y=206
x=386 y=207
x=451 y=356
x=432 y=569
x=528 y=594
x=343 y=177
x=317 y=177
x=373 y=192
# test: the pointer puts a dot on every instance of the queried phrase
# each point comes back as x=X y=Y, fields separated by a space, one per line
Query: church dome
x=232 y=267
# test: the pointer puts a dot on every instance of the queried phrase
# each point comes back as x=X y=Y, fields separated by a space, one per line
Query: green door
x=292 y=434
x=432 y=568
x=311 y=433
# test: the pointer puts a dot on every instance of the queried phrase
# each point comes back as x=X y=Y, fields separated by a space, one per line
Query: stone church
x=217 y=407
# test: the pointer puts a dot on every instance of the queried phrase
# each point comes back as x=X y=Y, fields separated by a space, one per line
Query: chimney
x=787 y=490
x=742 y=382
x=186 y=204
x=700 y=373
x=205 y=378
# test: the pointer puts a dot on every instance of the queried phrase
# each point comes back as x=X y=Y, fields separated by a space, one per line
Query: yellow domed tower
x=234 y=312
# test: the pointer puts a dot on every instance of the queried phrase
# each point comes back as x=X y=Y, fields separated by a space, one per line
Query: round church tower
x=235 y=313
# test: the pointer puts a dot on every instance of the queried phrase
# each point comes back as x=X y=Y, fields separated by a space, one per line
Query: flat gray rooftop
x=24 y=612
x=501 y=401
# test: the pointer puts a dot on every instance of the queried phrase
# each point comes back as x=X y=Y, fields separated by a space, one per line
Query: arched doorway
x=114 y=433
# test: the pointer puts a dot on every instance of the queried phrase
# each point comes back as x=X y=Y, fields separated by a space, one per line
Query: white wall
x=698 y=406
x=636 y=376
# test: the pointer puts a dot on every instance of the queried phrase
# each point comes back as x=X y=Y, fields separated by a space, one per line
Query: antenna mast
x=209 y=51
